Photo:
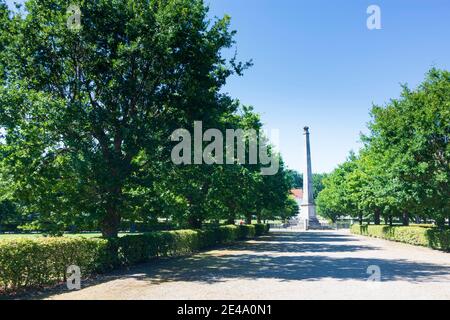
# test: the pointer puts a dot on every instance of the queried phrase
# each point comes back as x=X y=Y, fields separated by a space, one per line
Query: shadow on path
x=303 y=243
x=216 y=269
x=262 y=259
x=281 y=256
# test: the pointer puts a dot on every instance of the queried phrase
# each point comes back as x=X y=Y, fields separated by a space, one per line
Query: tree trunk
x=440 y=222
x=248 y=219
x=390 y=221
x=231 y=216
x=386 y=220
x=110 y=223
x=194 y=223
x=405 y=218
x=377 y=217
x=360 y=218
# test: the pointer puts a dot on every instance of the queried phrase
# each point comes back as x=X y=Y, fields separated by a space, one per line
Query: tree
x=414 y=134
x=339 y=193
x=274 y=195
x=403 y=169
x=318 y=183
x=296 y=179
x=81 y=108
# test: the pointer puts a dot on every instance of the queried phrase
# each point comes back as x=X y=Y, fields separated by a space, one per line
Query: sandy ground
x=285 y=265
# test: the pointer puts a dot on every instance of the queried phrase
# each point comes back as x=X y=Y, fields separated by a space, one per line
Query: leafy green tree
x=413 y=132
x=296 y=179
x=403 y=171
x=339 y=193
x=80 y=107
x=274 y=195
x=9 y=217
x=318 y=183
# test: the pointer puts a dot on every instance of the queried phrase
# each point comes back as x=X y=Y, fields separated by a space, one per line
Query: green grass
x=69 y=235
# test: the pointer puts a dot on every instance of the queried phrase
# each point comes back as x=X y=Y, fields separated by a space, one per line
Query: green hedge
x=261 y=229
x=43 y=261
x=37 y=262
x=420 y=236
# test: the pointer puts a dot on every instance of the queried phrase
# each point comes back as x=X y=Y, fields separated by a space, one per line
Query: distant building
x=298 y=195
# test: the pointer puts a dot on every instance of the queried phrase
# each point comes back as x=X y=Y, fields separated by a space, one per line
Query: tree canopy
x=87 y=116
x=403 y=171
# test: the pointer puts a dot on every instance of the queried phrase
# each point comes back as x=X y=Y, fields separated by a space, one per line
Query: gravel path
x=286 y=265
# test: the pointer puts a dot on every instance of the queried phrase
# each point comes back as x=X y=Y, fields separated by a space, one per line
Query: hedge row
x=141 y=248
x=44 y=261
x=428 y=237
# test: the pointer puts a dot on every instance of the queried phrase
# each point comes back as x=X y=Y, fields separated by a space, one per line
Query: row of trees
x=86 y=118
x=403 y=171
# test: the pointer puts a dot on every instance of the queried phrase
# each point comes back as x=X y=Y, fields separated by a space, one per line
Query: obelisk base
x=308 y=213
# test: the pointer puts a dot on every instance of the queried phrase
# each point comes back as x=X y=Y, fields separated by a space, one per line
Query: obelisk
x=308 y=208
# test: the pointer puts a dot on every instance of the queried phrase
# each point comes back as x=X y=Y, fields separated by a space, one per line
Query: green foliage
x=337 y=197
x=403 y=171
x=261 y=229
x=291 y=209
x=141 y=248
x=318 y=186
x=38 y=262
x=439 y=238
x=135 y=249
x=44 y=261
x=10 y=218
x=87 y=117
x=246 y=232
x=296 y=179
x=421 y=236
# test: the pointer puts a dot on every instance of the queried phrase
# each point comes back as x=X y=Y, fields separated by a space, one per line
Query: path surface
x=286 y=265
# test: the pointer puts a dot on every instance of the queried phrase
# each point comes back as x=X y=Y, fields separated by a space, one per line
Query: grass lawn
x=85 y=235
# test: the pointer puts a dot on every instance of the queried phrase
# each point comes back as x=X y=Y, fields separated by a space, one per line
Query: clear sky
x=317 y=64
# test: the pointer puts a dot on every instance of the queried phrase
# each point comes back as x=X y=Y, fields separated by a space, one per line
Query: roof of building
x=297 y=193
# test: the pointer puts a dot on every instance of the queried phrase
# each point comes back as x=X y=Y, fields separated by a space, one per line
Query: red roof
x=298 y=193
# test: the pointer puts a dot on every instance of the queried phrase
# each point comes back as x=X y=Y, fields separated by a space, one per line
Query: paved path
x=286 y=265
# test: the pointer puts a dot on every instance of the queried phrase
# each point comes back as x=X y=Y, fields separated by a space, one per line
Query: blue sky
x=317 y=64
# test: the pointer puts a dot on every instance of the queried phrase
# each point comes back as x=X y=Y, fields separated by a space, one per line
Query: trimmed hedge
x=261 y=229
x=37 y=262
x=44 y=261
x=420 y=236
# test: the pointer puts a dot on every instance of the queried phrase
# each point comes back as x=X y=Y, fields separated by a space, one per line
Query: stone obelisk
x=308 y=208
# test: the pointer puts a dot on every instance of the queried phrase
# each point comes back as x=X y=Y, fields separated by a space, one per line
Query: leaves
x=404 y=166
x=88 y=115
